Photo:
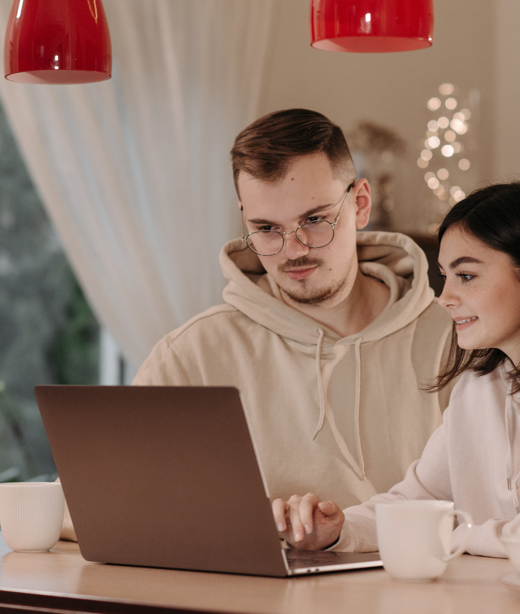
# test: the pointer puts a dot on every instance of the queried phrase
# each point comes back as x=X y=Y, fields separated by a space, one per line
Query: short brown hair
x=266 y=148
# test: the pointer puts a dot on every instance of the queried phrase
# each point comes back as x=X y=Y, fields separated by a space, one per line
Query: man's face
x=308 y=192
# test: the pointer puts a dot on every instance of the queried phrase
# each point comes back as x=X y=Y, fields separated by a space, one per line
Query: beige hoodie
x=341 y=417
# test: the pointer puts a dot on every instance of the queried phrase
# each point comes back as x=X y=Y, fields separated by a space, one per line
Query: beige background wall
x=393 y=89
x=506 y=99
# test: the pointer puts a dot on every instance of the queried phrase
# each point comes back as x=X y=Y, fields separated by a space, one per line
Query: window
x=48 y=333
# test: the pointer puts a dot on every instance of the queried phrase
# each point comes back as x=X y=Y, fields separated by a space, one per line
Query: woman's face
x=481 y=293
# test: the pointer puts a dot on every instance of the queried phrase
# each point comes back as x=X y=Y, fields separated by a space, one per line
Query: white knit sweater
x=467 y=460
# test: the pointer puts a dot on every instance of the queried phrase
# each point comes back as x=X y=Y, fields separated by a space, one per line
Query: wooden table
x=61 y=580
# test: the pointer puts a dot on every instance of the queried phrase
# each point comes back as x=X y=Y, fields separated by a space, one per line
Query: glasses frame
x=289 y=232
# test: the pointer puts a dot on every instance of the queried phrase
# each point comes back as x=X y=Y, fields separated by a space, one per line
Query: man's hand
x=307 y=523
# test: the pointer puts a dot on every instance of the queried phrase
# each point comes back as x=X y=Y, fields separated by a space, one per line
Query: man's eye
x=266 y=228
x=314 y=219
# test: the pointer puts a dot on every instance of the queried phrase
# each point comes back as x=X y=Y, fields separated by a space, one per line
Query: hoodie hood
x=393 y=258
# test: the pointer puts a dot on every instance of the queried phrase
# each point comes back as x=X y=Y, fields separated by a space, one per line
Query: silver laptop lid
x=162 y=477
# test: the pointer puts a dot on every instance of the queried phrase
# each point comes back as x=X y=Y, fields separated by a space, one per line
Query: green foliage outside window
x=48 y=333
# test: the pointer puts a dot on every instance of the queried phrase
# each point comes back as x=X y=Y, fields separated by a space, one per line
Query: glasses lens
x=265 y=242
x=316 y=234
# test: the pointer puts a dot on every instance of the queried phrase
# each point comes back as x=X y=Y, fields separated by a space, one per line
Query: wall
x=391 y=89
x=506 y=159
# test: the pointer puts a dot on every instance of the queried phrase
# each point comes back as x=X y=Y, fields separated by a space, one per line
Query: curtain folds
x=135 y=172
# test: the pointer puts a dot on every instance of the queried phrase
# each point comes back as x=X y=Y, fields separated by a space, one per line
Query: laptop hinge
x=284 y=556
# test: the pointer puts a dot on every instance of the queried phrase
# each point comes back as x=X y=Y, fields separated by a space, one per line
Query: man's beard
x=316 y=296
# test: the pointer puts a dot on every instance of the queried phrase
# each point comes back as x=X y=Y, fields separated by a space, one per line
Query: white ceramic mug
x=512 y=546
x=414 y=537
x=31 y=515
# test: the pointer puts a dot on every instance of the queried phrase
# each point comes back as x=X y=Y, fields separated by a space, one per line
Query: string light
x=445 y=140
x=434 y=104
x=450 y=136
x=447 y=151
x=451 y=103
x=446 y=89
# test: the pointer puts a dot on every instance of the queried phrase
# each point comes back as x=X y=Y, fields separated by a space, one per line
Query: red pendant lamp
x=371 y=26
x=57 y=41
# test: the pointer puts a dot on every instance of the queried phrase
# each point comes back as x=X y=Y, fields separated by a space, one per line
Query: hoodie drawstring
x=320 y=383
x=510 y=420
x=325 y=411
x=358 y=404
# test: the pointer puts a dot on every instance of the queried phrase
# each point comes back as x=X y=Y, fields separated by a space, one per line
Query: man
x=330 y=334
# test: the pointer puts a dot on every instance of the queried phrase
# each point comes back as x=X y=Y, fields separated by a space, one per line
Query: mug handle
x=469 y=525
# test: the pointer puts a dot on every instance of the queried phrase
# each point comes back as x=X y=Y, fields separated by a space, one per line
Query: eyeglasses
x=311 y=234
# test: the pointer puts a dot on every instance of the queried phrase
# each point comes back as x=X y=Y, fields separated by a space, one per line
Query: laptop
x=168 y=476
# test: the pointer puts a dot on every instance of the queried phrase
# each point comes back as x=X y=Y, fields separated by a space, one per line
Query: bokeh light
x=457 y=193
x=441 y=193
x=446 y=89
x=459 y=126
x=451 y=103
x=433 y=104
x=450 y=136
x=443 y=147
x=458 y=196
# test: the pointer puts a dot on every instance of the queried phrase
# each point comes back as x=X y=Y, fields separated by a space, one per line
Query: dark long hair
x=491 y=215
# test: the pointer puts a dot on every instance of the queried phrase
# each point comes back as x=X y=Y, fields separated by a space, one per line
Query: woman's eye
x=465 y=277
x=442 y=276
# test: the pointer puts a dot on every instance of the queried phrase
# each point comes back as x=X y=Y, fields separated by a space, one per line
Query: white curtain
x=135 y=172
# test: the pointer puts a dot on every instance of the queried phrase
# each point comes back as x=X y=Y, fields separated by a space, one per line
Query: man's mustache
x=299 y=263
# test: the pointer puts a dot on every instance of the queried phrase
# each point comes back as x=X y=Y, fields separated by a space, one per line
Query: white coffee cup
x=414 y=537
x=31 y=515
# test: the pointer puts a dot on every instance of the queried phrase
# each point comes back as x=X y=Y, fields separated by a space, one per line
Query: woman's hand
x=307 y=523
